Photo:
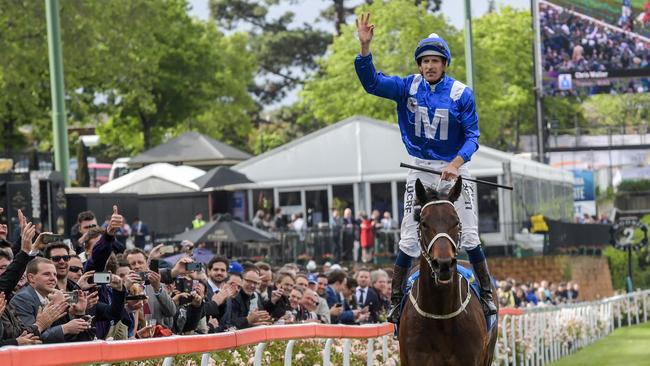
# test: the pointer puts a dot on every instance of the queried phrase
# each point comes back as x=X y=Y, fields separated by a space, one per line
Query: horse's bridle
x=425 y=251
x=427 y=257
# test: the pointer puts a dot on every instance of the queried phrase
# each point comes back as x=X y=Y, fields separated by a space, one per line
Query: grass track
x=629 y=346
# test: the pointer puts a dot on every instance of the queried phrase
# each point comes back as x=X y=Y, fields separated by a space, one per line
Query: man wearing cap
x=439 y=128
x=235 y=268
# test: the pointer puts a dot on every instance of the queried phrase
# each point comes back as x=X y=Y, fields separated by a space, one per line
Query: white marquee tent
x=156 y=179
x=364 y=154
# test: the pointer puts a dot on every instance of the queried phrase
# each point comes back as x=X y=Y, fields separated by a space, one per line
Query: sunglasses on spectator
x=89 y=226
x=75 y=269
x=57 y=258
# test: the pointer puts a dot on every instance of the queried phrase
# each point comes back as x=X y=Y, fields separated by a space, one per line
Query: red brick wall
x=591 y=273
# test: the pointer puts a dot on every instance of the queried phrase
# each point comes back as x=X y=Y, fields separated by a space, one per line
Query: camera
x=100 y=278
x=144 y=277
x=51 y=238
x=167 y=249
x=73 y=297
x=154 y=265
x=184 y=284
x=193 y=267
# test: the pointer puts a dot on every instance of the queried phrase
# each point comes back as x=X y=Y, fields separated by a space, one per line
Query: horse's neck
x=438 y=299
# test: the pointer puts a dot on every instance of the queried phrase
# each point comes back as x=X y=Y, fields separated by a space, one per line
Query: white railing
x=542 y=335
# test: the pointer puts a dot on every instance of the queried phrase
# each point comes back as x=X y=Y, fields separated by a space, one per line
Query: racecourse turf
x=629 y=346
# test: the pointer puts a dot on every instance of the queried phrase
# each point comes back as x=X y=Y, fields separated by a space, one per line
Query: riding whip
x=480 y=181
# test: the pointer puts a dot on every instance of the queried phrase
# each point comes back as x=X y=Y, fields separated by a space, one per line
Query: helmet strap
x=434 y=83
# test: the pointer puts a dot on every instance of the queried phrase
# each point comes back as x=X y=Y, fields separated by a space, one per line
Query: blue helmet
x=433 y=45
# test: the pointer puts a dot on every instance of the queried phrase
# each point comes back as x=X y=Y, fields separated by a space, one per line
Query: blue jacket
x=437 y=122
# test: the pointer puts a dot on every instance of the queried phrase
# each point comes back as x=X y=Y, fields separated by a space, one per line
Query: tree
x=503 y=72
x=181 y=74
x=335 y=93
x=622 y=111
x=285 y=54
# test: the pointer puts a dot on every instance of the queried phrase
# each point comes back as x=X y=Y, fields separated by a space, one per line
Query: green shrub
x=634 y=185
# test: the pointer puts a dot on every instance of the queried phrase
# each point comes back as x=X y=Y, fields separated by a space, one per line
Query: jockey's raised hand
x=365 y=31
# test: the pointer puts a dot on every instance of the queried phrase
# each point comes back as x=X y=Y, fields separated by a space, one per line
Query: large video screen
x=595 y=46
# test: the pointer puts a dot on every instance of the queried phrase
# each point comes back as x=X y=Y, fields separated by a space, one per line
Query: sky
x=309 y=10
x=306 y=11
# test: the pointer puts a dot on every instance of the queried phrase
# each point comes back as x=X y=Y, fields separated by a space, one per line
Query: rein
x=427 y=257
x=462 y=307
x=425 y=253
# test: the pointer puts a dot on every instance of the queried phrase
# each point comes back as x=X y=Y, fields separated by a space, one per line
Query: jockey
x=439 y=127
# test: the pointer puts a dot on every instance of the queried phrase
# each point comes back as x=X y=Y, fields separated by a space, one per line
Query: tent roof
x=156 y=178
x=225 y=229
x=364 y=149
x=220 y=176
x=191 y=148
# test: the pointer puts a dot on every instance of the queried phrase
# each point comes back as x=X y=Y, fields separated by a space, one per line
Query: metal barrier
x=541 y=335
x=118 y=351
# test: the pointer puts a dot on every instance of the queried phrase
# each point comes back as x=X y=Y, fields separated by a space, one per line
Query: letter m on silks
x=440 y=120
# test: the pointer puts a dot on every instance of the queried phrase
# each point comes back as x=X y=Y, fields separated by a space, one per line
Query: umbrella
x=198 y=254
x=225 y=229
x=219 y=177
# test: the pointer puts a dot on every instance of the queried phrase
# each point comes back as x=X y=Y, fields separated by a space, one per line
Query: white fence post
x=384 y=348
x=347 y=344
x=168 y=361
x=327 y=352
x=205 y=359
x=259 y=352
x=371 y=352
x=288 y=353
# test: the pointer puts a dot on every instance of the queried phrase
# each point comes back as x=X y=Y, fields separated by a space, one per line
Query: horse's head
x=439 y=227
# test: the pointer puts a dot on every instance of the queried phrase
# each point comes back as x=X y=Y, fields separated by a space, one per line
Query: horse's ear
x=420 y=192
x=456 y=190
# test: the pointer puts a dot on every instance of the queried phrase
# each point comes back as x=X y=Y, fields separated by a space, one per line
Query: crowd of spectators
x=351 y=239
x=574 y=43
x=94 y=287
x=513 y=293
x=51 y=292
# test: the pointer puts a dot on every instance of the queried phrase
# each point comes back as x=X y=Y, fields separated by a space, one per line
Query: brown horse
x=442 y=322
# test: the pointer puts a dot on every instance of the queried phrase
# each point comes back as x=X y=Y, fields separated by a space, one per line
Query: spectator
x=59 y=254
x=279 y=222
x=238 y=314
x=217 y=269
x=336 y=281
x=75 y=268
x=379 y=282
x=278 y=305
x=366 y=237
x=140 y=232
x=160 y=304
x=258 y=220
x=41 y=291
x=266 y=279
x=198 y=221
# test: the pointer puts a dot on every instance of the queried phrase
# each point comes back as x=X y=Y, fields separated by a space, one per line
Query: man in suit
x=41 y=275
x=140 y=231
x=367 y=296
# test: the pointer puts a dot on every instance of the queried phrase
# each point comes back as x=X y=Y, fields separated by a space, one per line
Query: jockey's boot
x=396 y=293
x=483 y=276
